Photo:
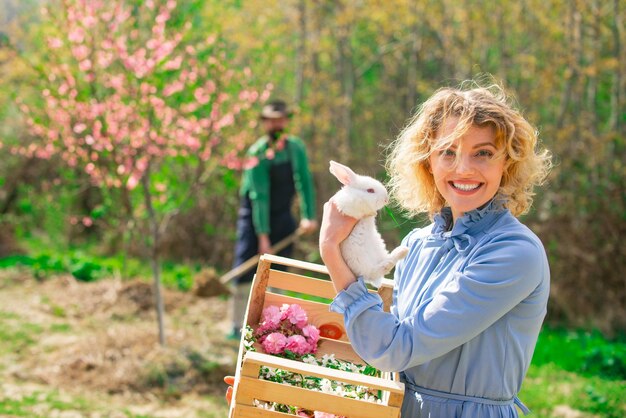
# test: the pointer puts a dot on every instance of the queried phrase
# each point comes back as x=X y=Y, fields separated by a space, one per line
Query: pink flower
x=297 y=344
x=55 y=43
x=311 y=333
x=274 y=343
x=296 y=315
x=318 y=414
x=271 y=316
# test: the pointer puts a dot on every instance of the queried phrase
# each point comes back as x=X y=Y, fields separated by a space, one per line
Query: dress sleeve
x=303 y=179
x=258 y=185
x=501 y=273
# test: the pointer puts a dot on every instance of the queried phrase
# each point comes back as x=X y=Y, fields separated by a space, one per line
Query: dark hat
x=275 y=109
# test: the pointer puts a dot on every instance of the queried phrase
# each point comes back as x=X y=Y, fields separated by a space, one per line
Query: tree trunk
x=345 y=74
x=618 y=76
x=301 y=53
x=154 y=254
x=411 y=82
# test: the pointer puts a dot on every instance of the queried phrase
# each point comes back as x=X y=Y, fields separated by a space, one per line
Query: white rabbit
x=364 y=250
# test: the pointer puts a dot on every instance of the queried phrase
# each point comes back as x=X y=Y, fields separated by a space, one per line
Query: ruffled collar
x=470 y=221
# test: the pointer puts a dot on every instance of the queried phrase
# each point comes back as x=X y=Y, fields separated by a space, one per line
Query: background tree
x=137 y=106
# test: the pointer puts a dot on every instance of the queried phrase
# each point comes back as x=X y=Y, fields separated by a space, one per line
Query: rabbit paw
x=399 y=253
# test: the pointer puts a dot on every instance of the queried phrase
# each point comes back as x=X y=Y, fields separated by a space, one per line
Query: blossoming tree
x=139 y=105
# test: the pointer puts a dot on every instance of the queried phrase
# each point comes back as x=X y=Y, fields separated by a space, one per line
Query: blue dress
x=467 y=309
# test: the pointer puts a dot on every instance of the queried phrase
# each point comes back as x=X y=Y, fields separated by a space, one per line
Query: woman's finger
x=229 y=395
x=230 y=381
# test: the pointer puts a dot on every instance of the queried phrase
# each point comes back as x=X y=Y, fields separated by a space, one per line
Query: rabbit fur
x=364 y=250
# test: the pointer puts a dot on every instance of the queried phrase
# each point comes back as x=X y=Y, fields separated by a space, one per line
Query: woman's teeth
x=465 y=187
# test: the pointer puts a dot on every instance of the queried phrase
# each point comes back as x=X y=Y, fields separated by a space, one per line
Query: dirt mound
x=207 y=284
x=107 y=298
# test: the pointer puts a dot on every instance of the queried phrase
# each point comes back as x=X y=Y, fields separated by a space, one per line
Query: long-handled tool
x=241 y=268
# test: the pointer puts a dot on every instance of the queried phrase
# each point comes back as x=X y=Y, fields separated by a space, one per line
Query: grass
x=84 y=266
x=577 y=371
x=16 y=334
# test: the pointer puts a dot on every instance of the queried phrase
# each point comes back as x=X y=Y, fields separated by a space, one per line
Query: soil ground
x=74 y=349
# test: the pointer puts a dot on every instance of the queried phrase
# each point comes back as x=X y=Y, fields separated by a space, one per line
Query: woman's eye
x=448 y=153
x=484 y=153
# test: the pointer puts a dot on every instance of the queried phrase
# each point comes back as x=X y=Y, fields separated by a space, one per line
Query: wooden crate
x=267 y=289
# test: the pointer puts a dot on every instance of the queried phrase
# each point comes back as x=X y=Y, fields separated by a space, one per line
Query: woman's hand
x=335 y=228
x=230 y=381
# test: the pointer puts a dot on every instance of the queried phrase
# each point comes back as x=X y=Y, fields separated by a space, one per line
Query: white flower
x=326 y=386
x=326 y=358
x=309 y=359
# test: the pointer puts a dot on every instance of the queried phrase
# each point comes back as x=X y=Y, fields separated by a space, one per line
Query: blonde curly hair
x=411 y=182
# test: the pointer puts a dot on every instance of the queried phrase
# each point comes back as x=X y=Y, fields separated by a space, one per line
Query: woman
x=470 y=296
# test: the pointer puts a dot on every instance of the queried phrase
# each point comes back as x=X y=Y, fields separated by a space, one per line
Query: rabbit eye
x=370 y=190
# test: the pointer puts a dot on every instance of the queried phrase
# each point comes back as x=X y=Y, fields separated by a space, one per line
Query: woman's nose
x=464 y=165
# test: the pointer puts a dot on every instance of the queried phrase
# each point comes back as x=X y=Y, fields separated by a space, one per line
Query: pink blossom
x=297 y=344
x=85 y=65
x=55 y=43
x=80 y=52
x=87 y=221
x=318 y=414
x=296 y=315
x=274 y=343
x=173 y=64
x=272 y=315
x=201 y=96
x=311 y=333
x=132 y=182
x=77 y=35
x=89 y=21
x=265 y=95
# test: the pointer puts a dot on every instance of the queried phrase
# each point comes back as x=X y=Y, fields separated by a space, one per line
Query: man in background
x=277 y=169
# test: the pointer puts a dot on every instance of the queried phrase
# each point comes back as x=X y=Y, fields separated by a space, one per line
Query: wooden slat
x=301 y=284
x=313 y=400
x=378 y=383
x=246 y=411
x=385 y=291
x=257 y=294
x=304 y=265
x=341 y=349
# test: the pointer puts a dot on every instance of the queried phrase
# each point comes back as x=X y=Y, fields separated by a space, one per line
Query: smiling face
x=469 y=171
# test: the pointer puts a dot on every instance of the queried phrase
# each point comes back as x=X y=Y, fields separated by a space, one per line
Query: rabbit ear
x=343 y=173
